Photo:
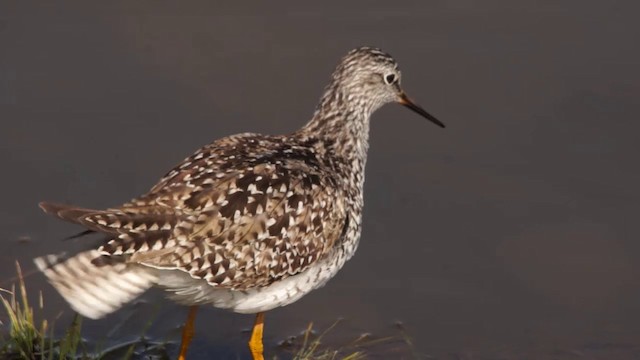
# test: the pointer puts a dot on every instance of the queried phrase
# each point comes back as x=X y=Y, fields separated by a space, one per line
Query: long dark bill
x=404 y=100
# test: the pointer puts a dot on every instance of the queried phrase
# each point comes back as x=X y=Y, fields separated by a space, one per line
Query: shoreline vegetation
x=24 y=336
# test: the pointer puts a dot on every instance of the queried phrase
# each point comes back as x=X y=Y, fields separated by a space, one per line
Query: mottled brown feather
x=242 y=212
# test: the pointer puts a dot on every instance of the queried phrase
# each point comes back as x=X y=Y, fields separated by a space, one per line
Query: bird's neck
x=341 y=122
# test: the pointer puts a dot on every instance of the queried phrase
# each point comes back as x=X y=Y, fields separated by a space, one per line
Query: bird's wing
x=246 y=215
x=116 y=221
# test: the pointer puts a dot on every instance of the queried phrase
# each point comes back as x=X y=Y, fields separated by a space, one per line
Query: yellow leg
x=255 y=344
x=187 y=332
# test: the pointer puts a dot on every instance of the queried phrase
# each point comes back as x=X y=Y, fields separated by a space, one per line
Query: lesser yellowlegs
x=249 y=222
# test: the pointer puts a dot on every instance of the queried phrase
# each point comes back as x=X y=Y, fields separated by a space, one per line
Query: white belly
x=189 y=291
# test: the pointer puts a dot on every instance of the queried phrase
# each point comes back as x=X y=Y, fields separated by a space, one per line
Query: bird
x=249 y=222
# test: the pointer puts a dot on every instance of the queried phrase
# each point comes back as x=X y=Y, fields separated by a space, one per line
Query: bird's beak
x=404 y=100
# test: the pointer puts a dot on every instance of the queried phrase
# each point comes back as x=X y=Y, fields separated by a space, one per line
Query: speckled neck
x=341 y=122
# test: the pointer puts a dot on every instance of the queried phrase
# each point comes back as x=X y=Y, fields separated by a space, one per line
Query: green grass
x=33 y=339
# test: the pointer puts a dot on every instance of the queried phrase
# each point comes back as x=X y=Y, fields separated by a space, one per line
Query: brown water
x=512 y=233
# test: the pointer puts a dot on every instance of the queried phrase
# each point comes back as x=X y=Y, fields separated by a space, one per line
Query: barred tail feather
x=94 y=285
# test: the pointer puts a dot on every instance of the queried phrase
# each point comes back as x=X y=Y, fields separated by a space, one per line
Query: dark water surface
x=513 y=233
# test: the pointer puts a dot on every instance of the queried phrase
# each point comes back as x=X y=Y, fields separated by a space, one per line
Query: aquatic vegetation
x=310 y=345
x=32 y=339
x=311 y=348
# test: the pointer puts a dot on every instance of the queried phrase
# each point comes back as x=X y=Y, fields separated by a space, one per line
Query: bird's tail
x=96 y=285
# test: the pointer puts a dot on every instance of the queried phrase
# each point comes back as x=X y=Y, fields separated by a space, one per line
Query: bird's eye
x=390 y=79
